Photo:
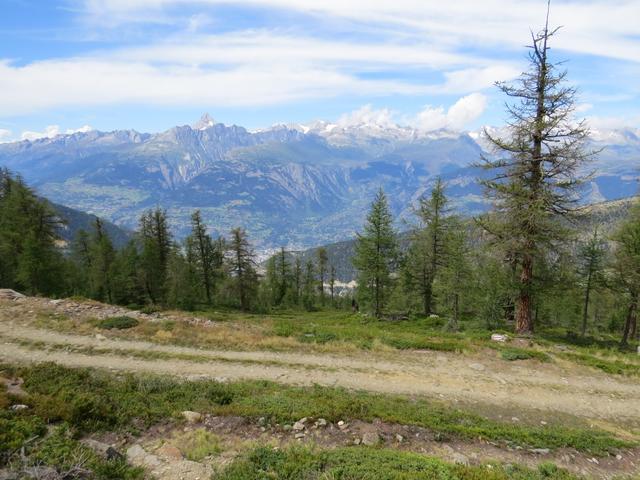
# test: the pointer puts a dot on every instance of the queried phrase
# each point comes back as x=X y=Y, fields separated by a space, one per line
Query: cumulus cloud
x=611 y=123
x=460 y=114
x=83 y=129
x=53 y=131
x=49 y=132
x=5 y=134
x=367 y=115
x=456 y=117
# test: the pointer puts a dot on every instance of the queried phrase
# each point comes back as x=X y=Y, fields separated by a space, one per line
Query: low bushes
x=119 y=323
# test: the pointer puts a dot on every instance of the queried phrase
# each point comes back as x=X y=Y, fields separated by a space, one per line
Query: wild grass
x=90 y=400
x=343 y=332
x=299 y=463
x=197 y=444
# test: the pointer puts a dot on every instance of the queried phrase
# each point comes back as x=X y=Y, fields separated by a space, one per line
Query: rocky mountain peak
x=206 y=121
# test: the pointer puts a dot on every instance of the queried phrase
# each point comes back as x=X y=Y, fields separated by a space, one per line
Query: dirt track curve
x=552 y=387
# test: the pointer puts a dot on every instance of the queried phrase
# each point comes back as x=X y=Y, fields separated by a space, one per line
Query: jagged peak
x=206 y=121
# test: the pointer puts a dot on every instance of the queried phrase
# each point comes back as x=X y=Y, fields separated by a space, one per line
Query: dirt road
x=484 y=379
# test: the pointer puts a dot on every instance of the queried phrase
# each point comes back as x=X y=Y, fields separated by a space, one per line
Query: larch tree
x=297 y=280
x=591 y=257
x=242 y=266
x=627 y=268
x=308 y=282
x=323 y=259
x=205 y=255
x=284 y=274
x=376 y=255
x=536 y=168
x=427 y=251
x=102 y=255
x=456 y=273
x=156 y=242
x=332 y=283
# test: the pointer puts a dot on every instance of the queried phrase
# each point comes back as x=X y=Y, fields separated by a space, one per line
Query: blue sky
x=152 y=64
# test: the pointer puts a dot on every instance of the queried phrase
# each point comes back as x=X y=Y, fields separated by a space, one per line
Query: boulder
x=8 y=294
x=170 y=452
x=191 y=417
x=499 y=337
x=477 y=366
x=459 y=458
x=298 y=426
x=540 y=451
x=371 y=439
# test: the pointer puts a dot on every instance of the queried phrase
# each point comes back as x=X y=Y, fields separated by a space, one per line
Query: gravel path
x=458 y=378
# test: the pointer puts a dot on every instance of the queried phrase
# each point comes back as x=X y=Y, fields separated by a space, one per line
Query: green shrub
x=283 y=329
x=512 y=353
x=60 y=451
x=120 y=323
x=616 y=367
x=322 y=337
x=99 y=401
x=15 y=430
x=361 y=463
x=420 y=344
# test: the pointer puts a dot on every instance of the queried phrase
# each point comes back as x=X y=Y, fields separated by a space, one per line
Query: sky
x=68 y=65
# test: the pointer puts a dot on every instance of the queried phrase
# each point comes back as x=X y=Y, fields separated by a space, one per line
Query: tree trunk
x=585 y=311
x=524 y=321
x=630 y=323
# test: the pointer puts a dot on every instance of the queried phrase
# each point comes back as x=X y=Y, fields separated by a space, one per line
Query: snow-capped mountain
x=296 y=185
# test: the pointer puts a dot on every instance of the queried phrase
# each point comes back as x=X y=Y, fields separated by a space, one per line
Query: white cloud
x=52 y=131
x=5 y=135
x=459 y=115
x=600 y=27
x=456 y=117
x=237 y=69
x=49 y=132
x=612 y=123
x=83 y=129
x=366 y=115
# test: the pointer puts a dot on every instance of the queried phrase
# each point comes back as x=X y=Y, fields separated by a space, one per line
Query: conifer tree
x=332 y=283
x=590 y=268
x=242 y=266
x=156 y=247
x=128 y=286
x=30 y=259
x=536 y=168
x=297 y=280
x=322 y=271
x=456 y=273
x=102 y=255
x=427 y=250
x=183 y=281
x=627 y=268
x=284 y=275
x=376 y=252
x=308 y=286
x=205 y=255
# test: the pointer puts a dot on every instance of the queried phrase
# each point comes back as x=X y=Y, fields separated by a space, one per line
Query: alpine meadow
x=408 y=291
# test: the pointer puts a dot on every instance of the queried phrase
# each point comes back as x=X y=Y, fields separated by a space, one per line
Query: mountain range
x=293 y=185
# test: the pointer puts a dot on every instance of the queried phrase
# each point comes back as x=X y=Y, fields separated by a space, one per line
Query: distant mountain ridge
x=75 y=220
x=295 y=185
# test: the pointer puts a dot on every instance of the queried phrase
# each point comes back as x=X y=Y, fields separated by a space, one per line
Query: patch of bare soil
x=156 y=452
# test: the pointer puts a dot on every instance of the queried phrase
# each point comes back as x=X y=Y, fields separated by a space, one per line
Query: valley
x=297 y=186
